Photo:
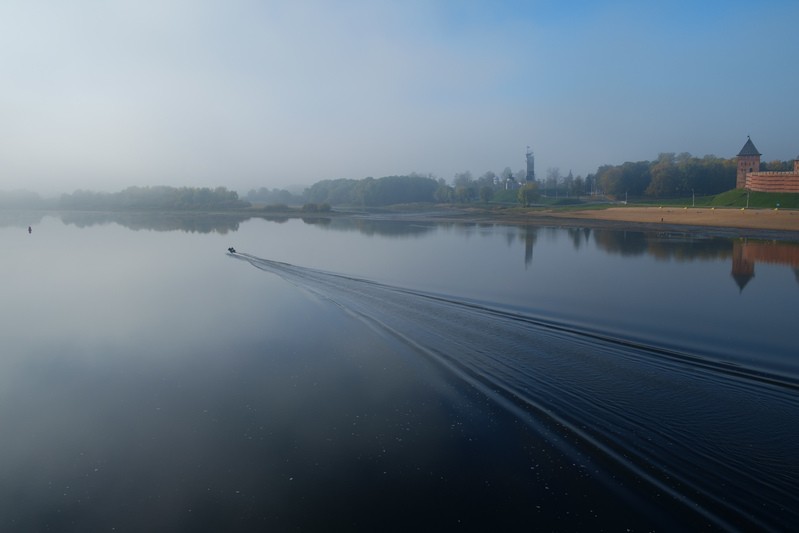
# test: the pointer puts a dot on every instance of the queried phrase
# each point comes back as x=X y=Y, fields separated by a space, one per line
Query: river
x=363 y=374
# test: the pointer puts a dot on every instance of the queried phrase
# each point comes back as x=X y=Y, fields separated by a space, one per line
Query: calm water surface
x=393 y=375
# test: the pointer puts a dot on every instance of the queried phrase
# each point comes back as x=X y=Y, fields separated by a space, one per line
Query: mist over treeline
x=346 y=191
x=367 y=191
x=162 y=197
x=374 y=192
x=132 y=198
x=23 y=200
x=670 y=175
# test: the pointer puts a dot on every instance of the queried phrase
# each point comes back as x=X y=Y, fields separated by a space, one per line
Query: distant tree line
x=154 y=198
x=488 y=187
x=669 y=175
x=373 y=192
x=776 y=166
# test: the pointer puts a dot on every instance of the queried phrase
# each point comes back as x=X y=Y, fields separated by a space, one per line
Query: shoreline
x=764 y=224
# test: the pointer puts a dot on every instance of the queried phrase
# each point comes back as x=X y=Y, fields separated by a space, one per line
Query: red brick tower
x=748 y=161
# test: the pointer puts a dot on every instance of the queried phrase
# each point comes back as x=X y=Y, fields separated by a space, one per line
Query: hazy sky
x=102 y=94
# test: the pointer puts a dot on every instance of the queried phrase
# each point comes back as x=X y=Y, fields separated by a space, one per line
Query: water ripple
x=718 y=437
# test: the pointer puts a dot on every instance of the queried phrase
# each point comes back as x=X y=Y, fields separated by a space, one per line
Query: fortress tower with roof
x=750 y=177
x=748 y=161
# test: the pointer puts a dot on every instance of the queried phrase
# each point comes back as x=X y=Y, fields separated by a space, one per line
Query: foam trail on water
x=682 y=422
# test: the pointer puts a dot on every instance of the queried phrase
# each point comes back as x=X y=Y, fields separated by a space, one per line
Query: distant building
x=749 y=175
x=530 y=166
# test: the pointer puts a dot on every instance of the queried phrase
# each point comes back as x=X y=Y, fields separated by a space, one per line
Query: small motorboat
x=231 y=250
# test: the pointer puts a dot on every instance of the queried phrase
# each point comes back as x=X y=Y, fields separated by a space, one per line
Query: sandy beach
x=766 y=219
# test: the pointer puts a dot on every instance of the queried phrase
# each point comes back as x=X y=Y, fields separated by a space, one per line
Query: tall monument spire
x=530 y=166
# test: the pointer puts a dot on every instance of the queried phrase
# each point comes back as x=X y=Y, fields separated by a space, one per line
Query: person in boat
x=29 y=229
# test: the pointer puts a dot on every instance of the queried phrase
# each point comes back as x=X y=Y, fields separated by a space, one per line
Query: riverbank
x=767 y=224
x=753 y=223
x=766 y=219
x=726 y=222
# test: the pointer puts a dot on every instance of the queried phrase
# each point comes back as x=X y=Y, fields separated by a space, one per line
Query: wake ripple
x=717 y=437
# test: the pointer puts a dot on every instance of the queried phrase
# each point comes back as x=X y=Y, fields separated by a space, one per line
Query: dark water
x=390 y=375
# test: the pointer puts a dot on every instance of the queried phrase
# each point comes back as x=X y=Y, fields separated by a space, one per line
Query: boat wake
x=719 y=438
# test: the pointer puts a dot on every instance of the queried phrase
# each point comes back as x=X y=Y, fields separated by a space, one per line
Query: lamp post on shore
x=747 y=198
x=693 y=198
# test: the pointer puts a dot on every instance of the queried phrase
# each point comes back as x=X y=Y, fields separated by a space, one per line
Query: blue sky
x=251 y=93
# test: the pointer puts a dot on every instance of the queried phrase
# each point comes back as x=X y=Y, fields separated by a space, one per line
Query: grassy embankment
x=733 y=198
